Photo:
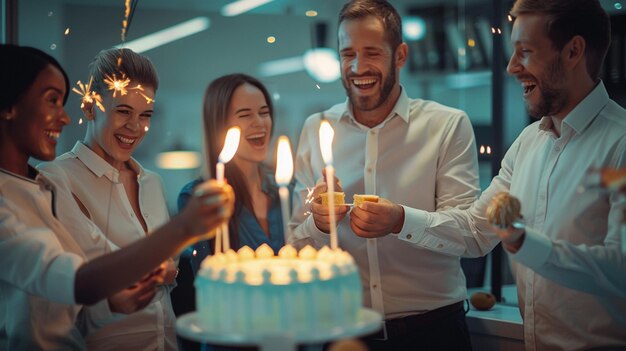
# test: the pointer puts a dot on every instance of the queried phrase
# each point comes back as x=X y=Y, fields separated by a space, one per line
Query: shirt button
x=374 y=286
x=132 y=214
x=542 y=197
x=409 y=236
x=557 y=148
x=145 y=215
x=369 y=169
x=373 y=132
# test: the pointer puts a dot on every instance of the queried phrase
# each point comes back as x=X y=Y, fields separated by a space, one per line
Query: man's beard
x=367 y=103
x=553 y=98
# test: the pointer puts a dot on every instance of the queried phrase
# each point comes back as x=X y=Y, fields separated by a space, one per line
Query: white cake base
x=188 y=326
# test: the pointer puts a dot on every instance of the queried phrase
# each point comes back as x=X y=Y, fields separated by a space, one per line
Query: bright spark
x=140 y=88
x=308 y=200
x=125 y=21
x=117 y=84
x=89 y=96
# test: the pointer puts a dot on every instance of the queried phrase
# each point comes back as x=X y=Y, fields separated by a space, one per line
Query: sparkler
x=89 y=96
x=140 y=92
x=117 y=84
x=129 y=11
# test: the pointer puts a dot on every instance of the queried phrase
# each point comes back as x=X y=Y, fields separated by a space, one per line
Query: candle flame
x=67 y=31
x=482 y=149
x=326 y=140
x=488 y=150
x=284 y=162
x=230 y=144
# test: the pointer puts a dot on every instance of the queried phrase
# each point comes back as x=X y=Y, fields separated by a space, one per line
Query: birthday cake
x=255 y=292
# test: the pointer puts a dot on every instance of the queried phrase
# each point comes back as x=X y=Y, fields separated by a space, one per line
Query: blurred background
x=457 y=56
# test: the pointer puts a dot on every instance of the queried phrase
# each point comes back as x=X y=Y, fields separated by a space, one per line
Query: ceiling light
x=414 y=28
x=241 y=6
x=180 y=159
x=322 y=64
x=311 y=13
x=167 y=35
x=281 y=66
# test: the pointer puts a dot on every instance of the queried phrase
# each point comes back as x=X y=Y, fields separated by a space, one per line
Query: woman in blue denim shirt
x=241 y=100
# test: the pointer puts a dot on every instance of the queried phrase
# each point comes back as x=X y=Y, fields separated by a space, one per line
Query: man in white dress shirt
x=569 y=270
x=414 y=154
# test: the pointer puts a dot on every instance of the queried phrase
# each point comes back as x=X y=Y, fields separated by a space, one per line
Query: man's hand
x=321 y=215
x=377 y=219
x=138 y=296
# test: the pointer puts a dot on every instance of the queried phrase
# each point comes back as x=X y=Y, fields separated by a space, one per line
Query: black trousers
x=441 y=329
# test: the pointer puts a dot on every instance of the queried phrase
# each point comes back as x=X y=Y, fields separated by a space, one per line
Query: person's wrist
x=514 y=245
x=400 y=222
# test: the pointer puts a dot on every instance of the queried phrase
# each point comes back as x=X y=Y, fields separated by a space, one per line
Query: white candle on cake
x=284 y=173
x=326 y=134
x=228 y=152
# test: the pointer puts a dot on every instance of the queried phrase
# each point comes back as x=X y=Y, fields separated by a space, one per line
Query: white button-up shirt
x=422 y=156
x=570 y=272
x=96 y=184
x=38 y=259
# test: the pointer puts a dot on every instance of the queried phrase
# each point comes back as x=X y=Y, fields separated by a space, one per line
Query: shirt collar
x=31 y=170
x=99 y=166
x=401 y=109
x=584 y=113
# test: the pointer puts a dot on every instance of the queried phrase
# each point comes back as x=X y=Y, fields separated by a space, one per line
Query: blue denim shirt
x=250 y=232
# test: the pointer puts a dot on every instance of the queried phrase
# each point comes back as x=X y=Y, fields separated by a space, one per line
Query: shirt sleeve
x=302 y=228
x=458 y=227
x=33 y=260
x=595 y=269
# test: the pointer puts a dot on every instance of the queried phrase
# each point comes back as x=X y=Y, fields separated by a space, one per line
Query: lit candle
x=284 y=172
x=228 y=152
x=327 y=134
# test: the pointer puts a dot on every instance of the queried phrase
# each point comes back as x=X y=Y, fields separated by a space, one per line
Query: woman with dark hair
x=45 y=273
x=125 y=200
x=241 y=100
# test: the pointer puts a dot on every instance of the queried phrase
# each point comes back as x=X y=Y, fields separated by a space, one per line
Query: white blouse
x=96 y=183
x=39 y=260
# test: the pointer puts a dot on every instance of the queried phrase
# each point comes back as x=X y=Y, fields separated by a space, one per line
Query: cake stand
x=368 y=321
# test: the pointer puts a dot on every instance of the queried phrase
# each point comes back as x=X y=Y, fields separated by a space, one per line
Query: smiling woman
x=47 y=247
x=123 y=199
x=242 y=101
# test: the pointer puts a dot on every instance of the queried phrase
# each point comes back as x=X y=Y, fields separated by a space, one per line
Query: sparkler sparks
x=117 y=84
x=309 y=199
x=125 y=21
x=129 y=10
x=140 y=88
x=89 y=96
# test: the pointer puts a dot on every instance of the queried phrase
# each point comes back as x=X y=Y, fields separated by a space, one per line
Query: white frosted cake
x=248 y=292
